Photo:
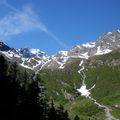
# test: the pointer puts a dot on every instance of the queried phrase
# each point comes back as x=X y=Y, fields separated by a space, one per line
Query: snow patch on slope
x=34 y=51
x=89 y=45
x=101 y=52
x=83 y=89
x=63 y=53
x=10 y=54
x=85 y=55
x=23 y=64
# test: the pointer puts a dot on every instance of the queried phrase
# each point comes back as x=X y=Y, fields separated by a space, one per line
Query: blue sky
x=53 y=25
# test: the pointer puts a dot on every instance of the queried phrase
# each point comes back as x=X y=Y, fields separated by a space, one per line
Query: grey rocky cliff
x=104 y=44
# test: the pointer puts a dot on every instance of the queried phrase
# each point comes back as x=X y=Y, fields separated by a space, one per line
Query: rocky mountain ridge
x=36 y=59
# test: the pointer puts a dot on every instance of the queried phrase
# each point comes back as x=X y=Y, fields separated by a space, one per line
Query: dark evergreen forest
x=23 y=98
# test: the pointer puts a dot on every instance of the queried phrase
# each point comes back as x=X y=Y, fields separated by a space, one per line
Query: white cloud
x=57 y=40
x=20 y=21
x=6 y=4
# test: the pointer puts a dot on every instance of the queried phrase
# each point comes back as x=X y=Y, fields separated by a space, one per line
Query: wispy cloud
x=57 y=40
x=6 y=4
x=20 y=21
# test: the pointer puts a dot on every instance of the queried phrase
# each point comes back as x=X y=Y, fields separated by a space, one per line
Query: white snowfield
x=83 y=90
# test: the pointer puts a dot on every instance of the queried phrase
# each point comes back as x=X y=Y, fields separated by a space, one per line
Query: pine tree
x=3 y=67
x=76 y=117
x=62 y=114
x=52 y=112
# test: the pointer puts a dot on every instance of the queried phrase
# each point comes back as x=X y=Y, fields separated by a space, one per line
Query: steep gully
x=86 y=93
x=37 y=71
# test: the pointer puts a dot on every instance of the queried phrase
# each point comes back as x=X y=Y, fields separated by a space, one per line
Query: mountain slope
x=103 y=71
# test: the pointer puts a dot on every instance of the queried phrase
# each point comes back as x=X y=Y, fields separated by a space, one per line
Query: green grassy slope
x=58 y=81
x=104 y=71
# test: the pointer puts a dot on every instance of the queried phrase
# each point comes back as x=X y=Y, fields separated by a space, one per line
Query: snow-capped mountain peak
x=34 y=51
x=37 y=59
x=63 y=53
x=29 y=58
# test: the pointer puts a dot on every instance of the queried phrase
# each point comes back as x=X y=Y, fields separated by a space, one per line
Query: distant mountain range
x=36 y=59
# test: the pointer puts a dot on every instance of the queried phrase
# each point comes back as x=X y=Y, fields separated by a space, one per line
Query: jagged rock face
x=29 y=53
x=52 y=64
x=25 y=52
x=4 y=47
x=104 y=44
x=29 y=58
x=110 y=40
x=36 y=59
x=81 y=51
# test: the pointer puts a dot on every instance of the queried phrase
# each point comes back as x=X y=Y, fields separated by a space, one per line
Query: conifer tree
x=3 y=67
x=62 y=114
x=52 y=112
x=76 y=117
